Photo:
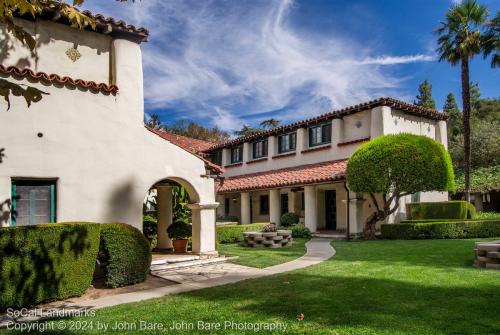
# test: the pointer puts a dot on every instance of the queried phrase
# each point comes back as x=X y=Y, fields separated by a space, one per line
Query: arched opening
x=167 y=203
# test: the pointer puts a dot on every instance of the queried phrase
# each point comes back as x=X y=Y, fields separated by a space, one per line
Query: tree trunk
x=371 y=221
x=466 y=123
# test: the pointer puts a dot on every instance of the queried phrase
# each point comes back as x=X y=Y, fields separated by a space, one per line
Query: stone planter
x=487 y=255
x=278 y=239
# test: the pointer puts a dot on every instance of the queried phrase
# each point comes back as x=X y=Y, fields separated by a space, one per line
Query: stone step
x=170 y=259
x=198 y=262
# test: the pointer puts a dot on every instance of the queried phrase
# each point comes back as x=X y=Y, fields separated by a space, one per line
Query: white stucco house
x=82 y=153
x=301 y=167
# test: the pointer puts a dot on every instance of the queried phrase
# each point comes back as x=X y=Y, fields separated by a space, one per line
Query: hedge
x=46 y=262
x=458 y=210
x=125 y=253
x=234 y=233
x=449 y=229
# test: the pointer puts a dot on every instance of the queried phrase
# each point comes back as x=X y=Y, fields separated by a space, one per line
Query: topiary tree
x=395 y=166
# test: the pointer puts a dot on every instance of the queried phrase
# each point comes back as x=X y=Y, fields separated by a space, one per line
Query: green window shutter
x=53 y=203
x=13 y=205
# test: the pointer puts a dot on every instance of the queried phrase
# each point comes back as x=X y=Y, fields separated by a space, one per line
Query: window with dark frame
x=287 y=142
x=216 y=157
x=259 y=149
x=33 y=202
x=237 y=154
x=264 y=204
x=227 y=203
x=320 y=134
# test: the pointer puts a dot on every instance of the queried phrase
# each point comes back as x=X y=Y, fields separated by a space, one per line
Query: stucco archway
x=202 y=216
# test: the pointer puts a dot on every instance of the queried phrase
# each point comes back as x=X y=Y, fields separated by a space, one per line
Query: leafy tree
x=195 y=130
x=246 y=130
x=454 y=116
x=270 y=124
x=475 y=98
x=424 y=97
x=491 y=41
x=394 y=166
x=483 y=179
x=461 y=38
x=155 y=122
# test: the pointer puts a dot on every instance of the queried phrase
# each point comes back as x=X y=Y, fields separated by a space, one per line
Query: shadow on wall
x=5 y=210
x=121 y=203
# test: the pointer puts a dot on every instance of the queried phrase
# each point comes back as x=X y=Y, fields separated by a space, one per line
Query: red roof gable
x=293 y=176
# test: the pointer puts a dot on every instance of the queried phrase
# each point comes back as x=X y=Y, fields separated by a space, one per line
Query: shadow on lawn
x=380 y=305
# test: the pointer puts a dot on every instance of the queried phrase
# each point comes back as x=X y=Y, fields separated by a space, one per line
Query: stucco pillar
x=301 y=139
x=311 y=210
x=272 y=146
x=274 y=207
x=337 y=131
x=356 y=222
x=164 y=216
x=247 y=152
x=245 y=208
x=203 y=226
x=292 y=201
x=442 y=133
x=379 y=118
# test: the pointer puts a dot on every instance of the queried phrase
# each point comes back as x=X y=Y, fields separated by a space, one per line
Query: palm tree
x=459 y=41
x=270 y=123
x=491 y=40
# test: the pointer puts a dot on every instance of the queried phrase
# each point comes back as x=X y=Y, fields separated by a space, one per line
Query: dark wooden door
x=330 y=210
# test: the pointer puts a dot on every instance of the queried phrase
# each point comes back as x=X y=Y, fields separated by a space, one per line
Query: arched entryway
x=171 y=196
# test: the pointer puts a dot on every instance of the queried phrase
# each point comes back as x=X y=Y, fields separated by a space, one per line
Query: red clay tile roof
x=104 y=25
x=390 y=102
x=54 y=78
x=191 y=145
x=293 y=176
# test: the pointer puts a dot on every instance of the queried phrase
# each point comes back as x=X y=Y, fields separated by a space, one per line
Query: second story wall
x=346 y=134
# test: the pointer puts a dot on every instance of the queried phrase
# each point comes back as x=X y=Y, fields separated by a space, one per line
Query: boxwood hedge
x=46 y=262
x=458 y=210
x=234 y=233
x=441 y=229
x=125 y=254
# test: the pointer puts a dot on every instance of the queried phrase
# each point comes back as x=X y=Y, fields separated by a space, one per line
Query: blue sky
x=230 y=63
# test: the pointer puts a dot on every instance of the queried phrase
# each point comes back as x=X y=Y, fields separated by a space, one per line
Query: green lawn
x=263 y=257
x=376 y=287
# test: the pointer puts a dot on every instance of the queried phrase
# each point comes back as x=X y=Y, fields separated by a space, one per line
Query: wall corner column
x=203 y=227
x=274 y=207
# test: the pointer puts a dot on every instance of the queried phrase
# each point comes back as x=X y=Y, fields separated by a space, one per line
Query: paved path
x=195 y=278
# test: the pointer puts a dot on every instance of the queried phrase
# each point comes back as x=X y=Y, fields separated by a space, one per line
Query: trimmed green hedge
x=449 y=229
x=234 y=233
x=126 y=254
x=458 y=210
x=46 y=262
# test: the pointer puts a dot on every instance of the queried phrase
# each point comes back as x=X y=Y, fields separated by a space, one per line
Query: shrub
x=228 y=218
x=301 y=231
x=440 y=210
x=234 y=233
x=487 y=216
x=46 y=262
x=289 y=219
x=269 y=228
x=125 y=253
x=179 y=230
x=449 y=229
x=149 y=227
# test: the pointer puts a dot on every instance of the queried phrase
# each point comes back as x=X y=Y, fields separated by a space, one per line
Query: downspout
x=348 y=232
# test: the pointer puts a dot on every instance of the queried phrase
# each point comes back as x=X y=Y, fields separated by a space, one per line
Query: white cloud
x=233 y=62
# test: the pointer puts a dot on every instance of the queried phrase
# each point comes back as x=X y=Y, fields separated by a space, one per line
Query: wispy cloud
x=238 y=62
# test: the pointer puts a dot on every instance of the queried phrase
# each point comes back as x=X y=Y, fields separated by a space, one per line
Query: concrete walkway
x=318 y=250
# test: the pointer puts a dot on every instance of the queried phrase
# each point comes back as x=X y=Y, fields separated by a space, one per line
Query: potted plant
x=179 y=232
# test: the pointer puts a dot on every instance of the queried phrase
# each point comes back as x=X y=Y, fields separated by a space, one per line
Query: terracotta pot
x=180 y=246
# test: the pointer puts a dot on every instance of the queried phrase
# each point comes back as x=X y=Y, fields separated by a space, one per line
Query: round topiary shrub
x=125 y=254
x=300 y=231
x=289 y=219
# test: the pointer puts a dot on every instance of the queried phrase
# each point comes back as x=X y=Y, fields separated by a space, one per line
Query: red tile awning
x=294 y=176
